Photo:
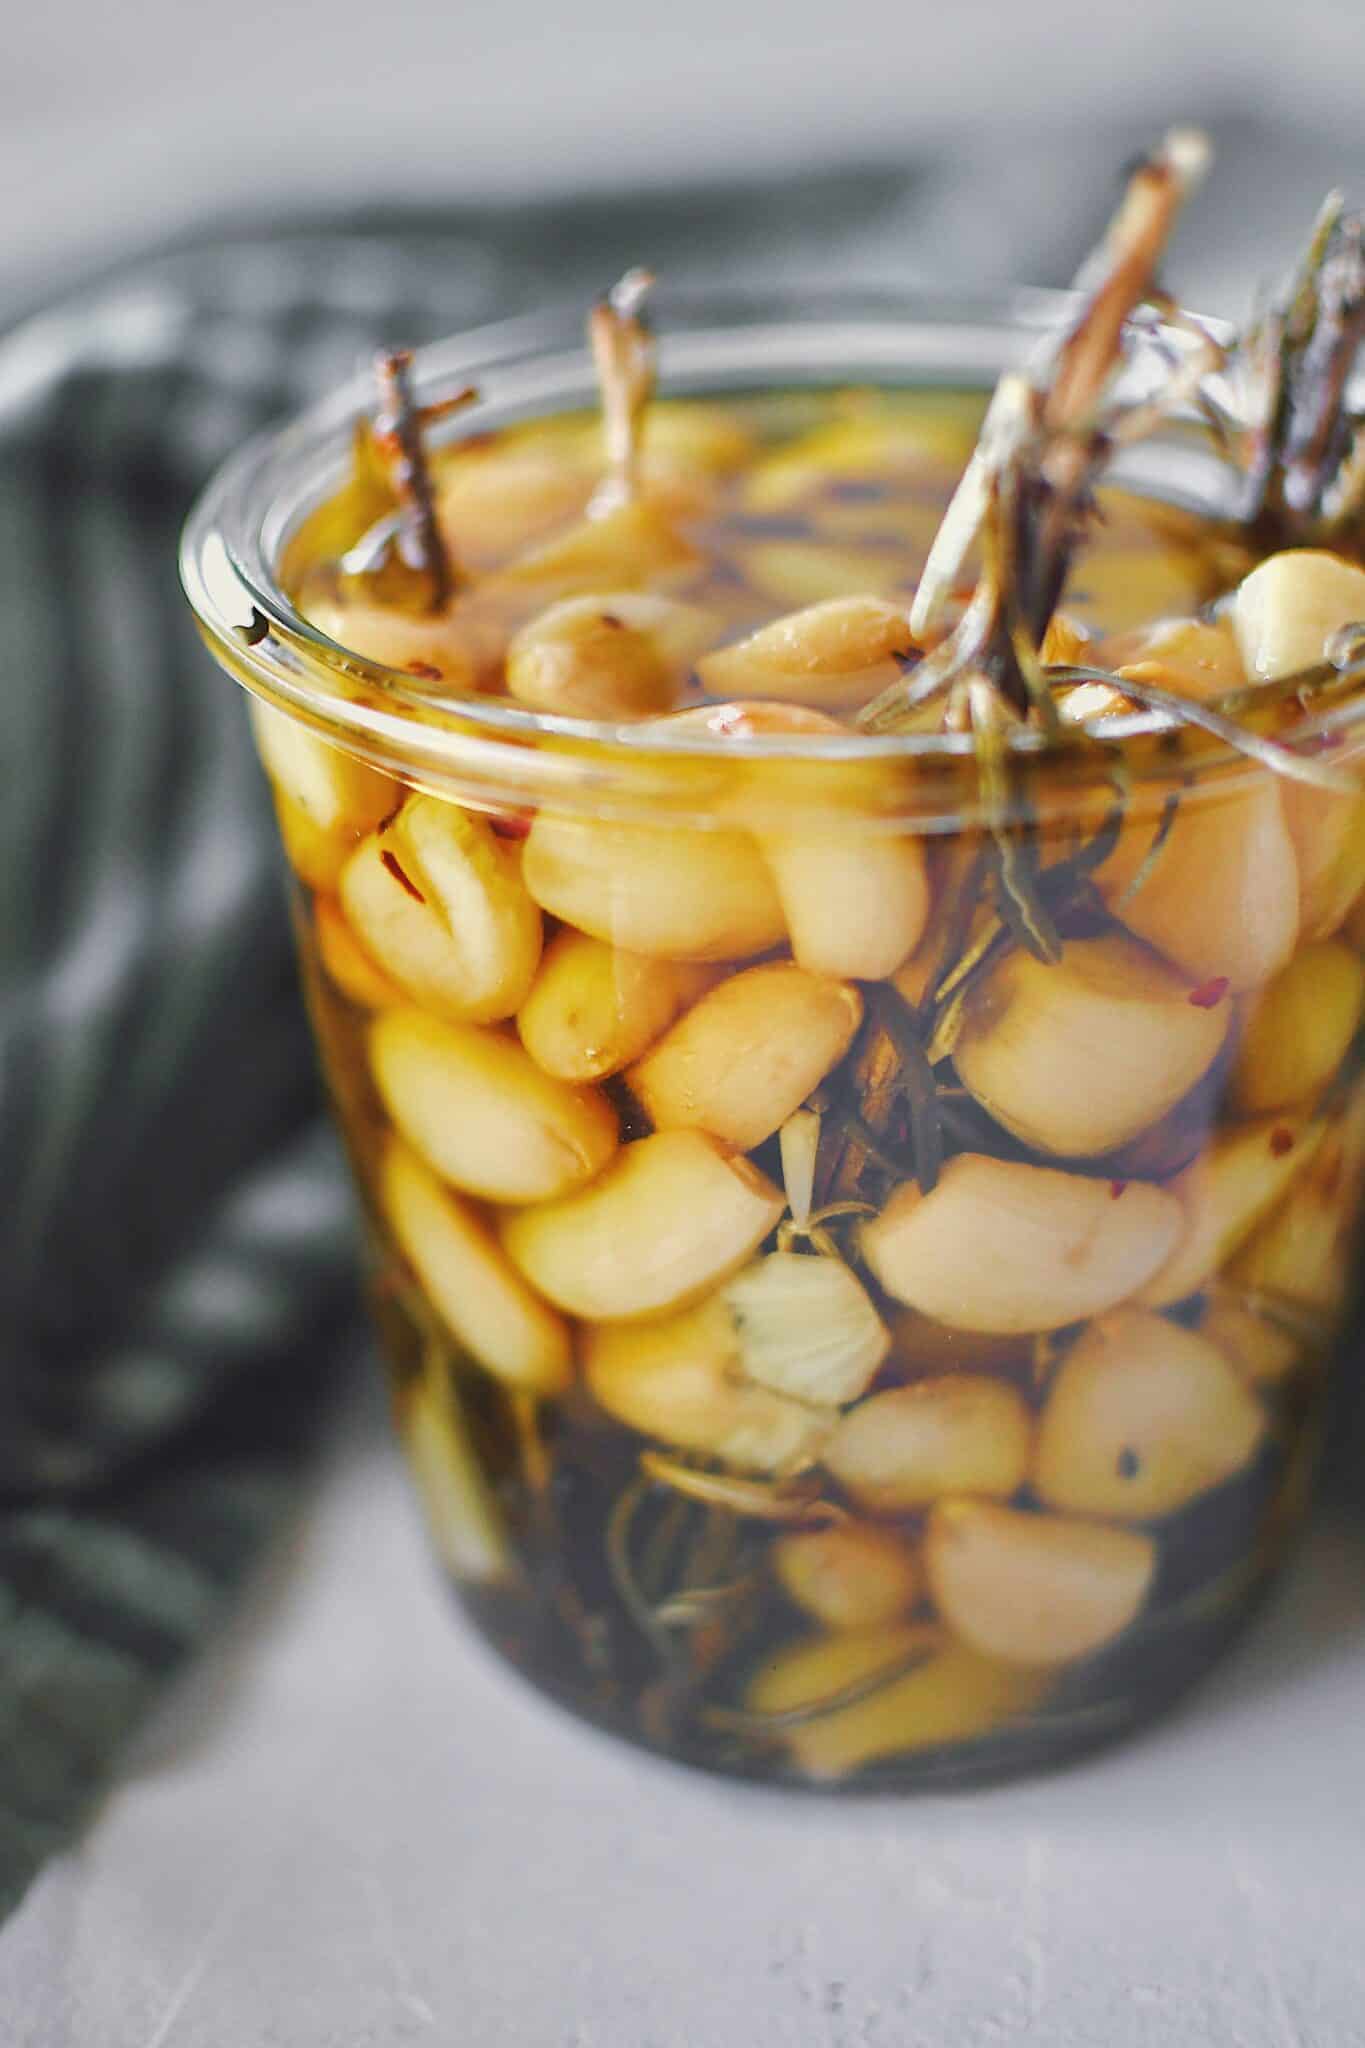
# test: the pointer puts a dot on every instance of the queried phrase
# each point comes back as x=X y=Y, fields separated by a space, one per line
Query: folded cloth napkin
x=175 y=1233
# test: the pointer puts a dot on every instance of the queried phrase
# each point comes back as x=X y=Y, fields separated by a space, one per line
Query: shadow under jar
x=832 y=1342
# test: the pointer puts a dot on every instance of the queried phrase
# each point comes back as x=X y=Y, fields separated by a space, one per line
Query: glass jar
x=934 y=1400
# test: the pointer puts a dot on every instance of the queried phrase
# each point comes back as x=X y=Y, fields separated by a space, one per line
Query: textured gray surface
x=353 y=1829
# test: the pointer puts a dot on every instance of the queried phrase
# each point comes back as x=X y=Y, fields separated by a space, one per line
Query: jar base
x=1084 y=1714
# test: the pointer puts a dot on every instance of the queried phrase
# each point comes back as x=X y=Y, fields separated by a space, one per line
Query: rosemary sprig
x=1305 y=451
x=623 y=354
x=798 y=1500
x=396 y=447
x=1028 y=492
x=1185 y=711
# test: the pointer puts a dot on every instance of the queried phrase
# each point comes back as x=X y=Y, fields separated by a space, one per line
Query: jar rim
x=235 y=536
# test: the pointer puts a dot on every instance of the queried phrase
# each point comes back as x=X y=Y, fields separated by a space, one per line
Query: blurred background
x=125 y=125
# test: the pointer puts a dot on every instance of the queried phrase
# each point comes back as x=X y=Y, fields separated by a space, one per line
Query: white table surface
x=352 y=1828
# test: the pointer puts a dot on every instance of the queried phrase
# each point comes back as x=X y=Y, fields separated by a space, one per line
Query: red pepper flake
x=1209 y=994
x=425 y=670
x=614 y=620
x=1116 y=1188
x=1281 y=1141
x=512 y=824
x=403 y=879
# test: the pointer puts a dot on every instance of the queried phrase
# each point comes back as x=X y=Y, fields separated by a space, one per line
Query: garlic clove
x=479 y=1296
x=901 y=1450
x=1220 y=895
x=951 y=1695
x=1142 y=1417
x=461 y=1515
x=806 y=1327
x=1264 y=1354
x=672 y=1217
x=616 y=655
x=855 y=902
x=849 y=1575
x=677 y=1380
x=659 y=890
x=1288 y=609
x=437 y=900
x=839 y=653
x=346 y=961
x=1078 y=1057
x=593 y=1008
x=633 y=545
x=1034 y=1588
x=481 y=1113
x=1007 y=1248
x=1229 y=1189
x=1298 y=1029
x=748 y=1054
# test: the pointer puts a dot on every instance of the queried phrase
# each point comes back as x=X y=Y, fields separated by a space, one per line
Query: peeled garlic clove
x=1305 y=1250
x=624 y=654
x=951 y=1695
x=748 y=719
x=908 y=1447
x=480 y=1111
x=839 y=653
x=1142 y=1417
x=461 y=1514
x=1299 y=1028
x=438 y=901
x=697 y=434
x=493 y=501
x=676 y=1380
x=1195 y=658
x=338 y=796
x=1264 y=1354
x=1031 y=1588
x=1289 y=608
x=593 y=1008
x=1006 y=1248
x=659 y=890
x=631 y=546
x=1328 y=832
x=479 y=1296
x=346 y=961
x=430 y=644
x=855 y=902
x=860 y=450
x=1221 y=895
x=317 y=857
x=805 y=572
x=1078 y=1057
x=850 y=1575
x=806 y=1327
x=1224 y=1195
x=672 y=1217
x=748 y=1054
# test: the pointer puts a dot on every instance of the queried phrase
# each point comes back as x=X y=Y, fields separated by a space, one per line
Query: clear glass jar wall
x=832 y=1341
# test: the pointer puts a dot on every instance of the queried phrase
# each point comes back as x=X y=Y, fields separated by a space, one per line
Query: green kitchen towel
x=175 y=1263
